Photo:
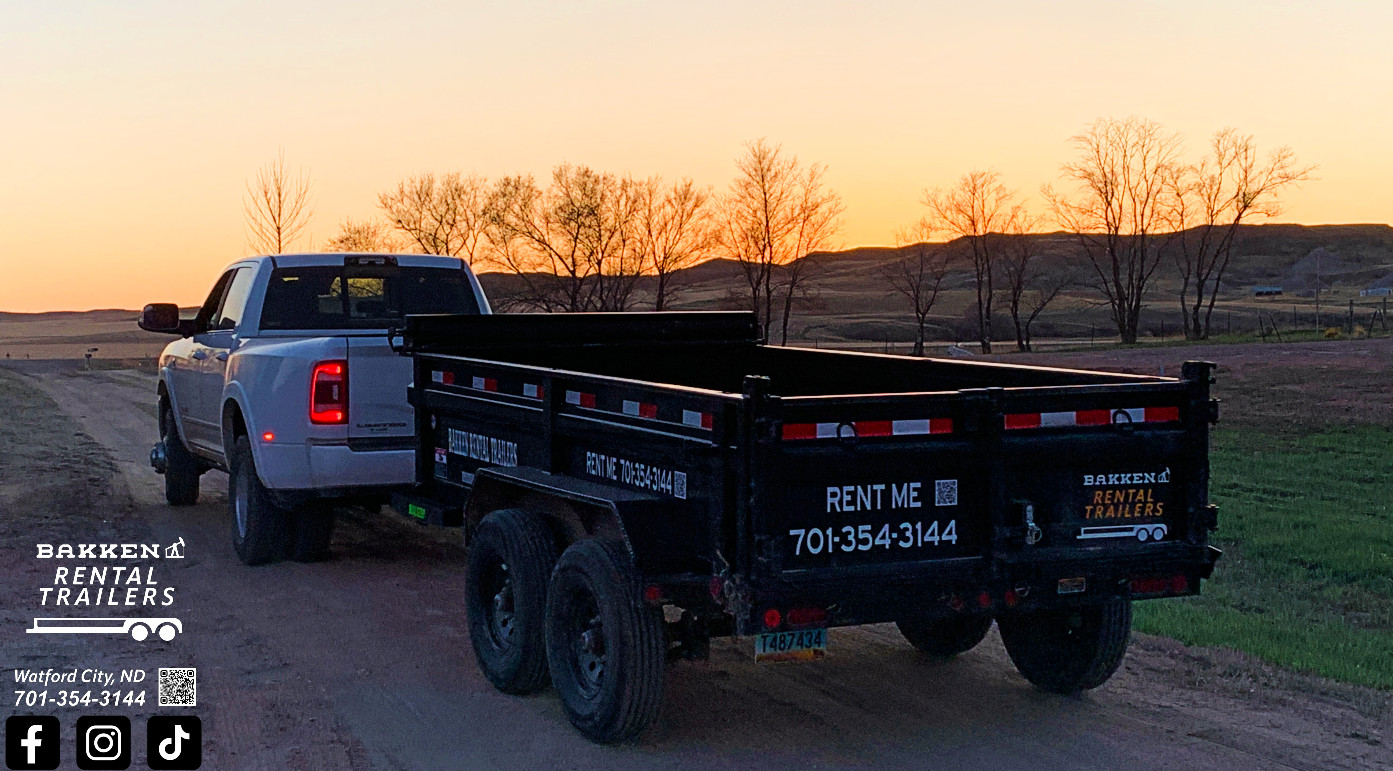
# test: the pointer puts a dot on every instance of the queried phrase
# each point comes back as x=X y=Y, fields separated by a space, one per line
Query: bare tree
x=445 y=215
x=918 y=277
x=362 y=236
x=673 y=231
x=276 y=207
x=1122 y=206
x=775 y=214
x=977 y=209
x=1214 y=197
x=572 y=246
x=1031 y=285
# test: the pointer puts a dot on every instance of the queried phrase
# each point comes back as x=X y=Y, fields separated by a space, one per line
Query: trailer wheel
x=312 y=528
x=606 y=649
x=259 y=526
x=945 y=638
x=181 y=471
x=1066 y=651
x=510 y=560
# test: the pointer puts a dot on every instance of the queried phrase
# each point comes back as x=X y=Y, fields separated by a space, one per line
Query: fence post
x=1351 y=317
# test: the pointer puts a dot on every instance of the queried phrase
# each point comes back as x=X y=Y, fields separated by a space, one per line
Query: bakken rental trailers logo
x=100 y=587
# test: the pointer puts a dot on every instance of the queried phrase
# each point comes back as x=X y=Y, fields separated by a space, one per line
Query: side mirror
x=162 y=318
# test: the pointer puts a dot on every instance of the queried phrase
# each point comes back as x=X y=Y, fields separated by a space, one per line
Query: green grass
x=1306 y=581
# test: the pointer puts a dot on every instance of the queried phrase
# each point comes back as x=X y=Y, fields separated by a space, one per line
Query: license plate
x=803 y=645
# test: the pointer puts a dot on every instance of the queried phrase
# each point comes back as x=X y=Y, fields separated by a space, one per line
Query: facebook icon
x=31 y=742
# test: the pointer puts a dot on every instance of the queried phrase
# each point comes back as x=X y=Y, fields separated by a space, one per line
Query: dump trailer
x=632 y=485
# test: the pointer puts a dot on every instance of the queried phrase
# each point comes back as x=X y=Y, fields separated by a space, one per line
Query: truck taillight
x=329 y=393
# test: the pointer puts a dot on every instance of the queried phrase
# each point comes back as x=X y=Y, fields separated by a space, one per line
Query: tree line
x=584 y=239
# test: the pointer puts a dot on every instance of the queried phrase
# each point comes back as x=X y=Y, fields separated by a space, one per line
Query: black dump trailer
x=631 y=485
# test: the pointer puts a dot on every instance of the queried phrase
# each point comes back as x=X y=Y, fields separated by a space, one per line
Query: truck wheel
x=259 y=526
x=1066 y=651
x=510 y=560
x=311 y=530
x=945 y=638
x=606 y=650
x=181 y=468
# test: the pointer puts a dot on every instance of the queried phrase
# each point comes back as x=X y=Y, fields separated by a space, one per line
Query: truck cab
x=284 y=379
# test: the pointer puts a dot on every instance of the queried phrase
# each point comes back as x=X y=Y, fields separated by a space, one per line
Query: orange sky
x=129 y=129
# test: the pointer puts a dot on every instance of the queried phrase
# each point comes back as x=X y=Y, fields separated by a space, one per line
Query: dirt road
x=364 y=661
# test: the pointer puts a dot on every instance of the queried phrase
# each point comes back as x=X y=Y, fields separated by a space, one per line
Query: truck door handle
x=221 y=356
x=198 y=355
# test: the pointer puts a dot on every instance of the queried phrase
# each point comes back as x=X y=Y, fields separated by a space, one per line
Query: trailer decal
x=636 y=474
x=488 y=449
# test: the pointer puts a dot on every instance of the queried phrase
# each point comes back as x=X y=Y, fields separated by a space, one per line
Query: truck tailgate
x=377 y=383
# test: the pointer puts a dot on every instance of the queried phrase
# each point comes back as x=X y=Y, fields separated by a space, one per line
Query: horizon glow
x=131 y=129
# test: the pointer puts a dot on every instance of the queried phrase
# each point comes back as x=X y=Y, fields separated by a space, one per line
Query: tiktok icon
x=174 y=742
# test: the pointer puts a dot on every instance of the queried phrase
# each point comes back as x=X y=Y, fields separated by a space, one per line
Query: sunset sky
x=130 y=128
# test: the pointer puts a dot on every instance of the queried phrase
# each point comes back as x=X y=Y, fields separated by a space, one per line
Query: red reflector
x=772 y=618
x=807 y=616
x=653 y=594
x=646 y=410
x=269 y=436
x=941 y=426
x=1162 y=414
x=984 y=600
x=1092 y=417
x=717 y=587
x=706 y=420
x=329 y=393
x=1023 y=420
x=1011 y=598
x=1153 y=585
x=587 y=401
x=448 y=378
x=800 y=430
x=1179 y=584
x=955 y=602
x=490 y=384
x=873 y=428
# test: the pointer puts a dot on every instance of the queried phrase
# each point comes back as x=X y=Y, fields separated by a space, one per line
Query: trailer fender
x=573 y=509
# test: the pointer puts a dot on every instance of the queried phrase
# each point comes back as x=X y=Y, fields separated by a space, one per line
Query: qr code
x=679 y=484
x=946 y=492
x=178 y=687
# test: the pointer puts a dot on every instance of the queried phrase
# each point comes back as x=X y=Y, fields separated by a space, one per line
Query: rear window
x=362 y=296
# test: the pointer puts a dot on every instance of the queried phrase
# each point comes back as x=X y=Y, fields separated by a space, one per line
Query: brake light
x=329 y=393
x=800 y=617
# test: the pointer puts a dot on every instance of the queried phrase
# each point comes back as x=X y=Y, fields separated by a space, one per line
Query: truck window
x=362 y=297
x=234 y=301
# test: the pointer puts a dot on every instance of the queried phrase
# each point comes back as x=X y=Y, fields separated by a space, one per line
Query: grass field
x=1306 y=582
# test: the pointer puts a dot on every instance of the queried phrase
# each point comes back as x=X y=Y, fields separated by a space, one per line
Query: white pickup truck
x=285 y=380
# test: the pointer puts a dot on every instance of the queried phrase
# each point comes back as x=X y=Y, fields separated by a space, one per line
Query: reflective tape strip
x=640 y=409
x=580 y=399
x=485 y=384
x=531 y=391
x=696 y=419
x=868 y=428
x=1091 y=417
x=437 y=377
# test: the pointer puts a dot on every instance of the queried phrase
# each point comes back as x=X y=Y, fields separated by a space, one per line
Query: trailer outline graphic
x=138 y=628
x=1153 y=531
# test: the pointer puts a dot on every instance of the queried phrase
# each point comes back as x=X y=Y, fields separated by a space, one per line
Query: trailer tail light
x=1162 y=585
x=803 y=617
x=329 y=393
x=653 y=594
x=773 y=618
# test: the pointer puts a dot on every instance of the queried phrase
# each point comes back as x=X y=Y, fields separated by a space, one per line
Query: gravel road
x=364 y=661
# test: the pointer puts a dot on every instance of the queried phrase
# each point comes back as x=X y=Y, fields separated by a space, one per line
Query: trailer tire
x=607 y=650
x=312 y=530
x=260 y=528
x=944 y=638
x=510 y=560
x=1072 y=650
x=181 y=471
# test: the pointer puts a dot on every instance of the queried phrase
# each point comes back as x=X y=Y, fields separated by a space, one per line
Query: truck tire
x=510 y=561
x=259 y=526
x=181 y=468
x=1067 y=651
x=311 y=531
x=944 y=638
x=606 y=649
